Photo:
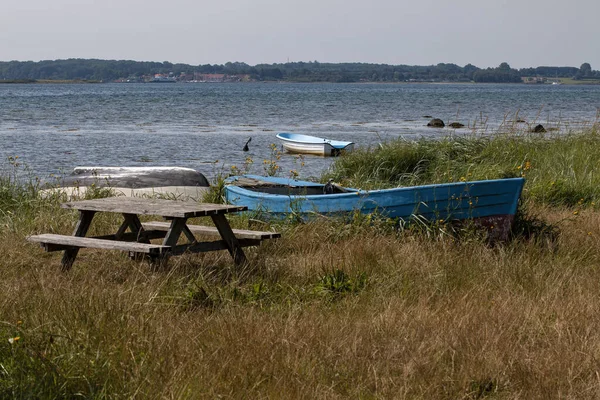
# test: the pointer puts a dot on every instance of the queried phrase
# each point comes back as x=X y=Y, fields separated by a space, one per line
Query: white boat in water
x=305 y=144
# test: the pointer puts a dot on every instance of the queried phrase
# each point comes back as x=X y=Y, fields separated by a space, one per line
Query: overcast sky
x=524 y=33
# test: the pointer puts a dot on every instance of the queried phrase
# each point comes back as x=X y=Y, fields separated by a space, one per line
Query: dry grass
x=411 y=315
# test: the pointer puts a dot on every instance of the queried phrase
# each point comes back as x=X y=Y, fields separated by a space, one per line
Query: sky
x=485 y=33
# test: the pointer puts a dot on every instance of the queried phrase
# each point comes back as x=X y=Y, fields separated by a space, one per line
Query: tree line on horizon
x=313 y=71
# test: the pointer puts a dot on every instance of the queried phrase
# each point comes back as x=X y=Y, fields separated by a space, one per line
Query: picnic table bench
x=134 y=236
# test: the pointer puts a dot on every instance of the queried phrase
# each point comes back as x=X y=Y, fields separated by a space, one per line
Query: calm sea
x=53 y=128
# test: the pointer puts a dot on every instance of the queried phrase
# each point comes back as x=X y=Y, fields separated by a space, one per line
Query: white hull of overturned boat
x=169 y=182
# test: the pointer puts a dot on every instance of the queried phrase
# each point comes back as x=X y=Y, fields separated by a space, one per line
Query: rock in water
x=539 y=128
x=456 y=125
x=436 y=123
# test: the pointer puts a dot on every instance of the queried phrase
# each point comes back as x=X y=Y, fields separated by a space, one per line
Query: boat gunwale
x=353 y=192
x=488 y=194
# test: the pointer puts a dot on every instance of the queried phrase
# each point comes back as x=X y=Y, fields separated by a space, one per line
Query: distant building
x=533 y=79
x=209 y=77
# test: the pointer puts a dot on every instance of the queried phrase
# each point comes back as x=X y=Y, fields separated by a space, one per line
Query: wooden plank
x=133 y=237
x=85 y=219
x=148 y=206
x=190 y=236
x=175 y=228
x=213 y=231
x=135 y=226
x=233 y=245
x=79 y=242
x=202 y=247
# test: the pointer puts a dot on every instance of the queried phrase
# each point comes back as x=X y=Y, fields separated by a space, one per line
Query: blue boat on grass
x=490 y=201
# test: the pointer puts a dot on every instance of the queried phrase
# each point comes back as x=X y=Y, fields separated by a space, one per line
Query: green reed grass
x=560 y=169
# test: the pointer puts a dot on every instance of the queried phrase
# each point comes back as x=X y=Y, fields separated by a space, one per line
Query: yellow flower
x=575 y=212
x=463 y=179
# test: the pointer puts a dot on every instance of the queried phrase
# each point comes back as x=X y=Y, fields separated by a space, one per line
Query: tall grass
x=560 y=169
x=329 y=311
x=332 y=309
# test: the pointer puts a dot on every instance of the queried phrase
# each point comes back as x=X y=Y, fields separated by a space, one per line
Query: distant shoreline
x=569 y=82
x=45 y=81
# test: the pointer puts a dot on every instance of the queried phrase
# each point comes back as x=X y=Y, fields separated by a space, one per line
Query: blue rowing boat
x=492 y=199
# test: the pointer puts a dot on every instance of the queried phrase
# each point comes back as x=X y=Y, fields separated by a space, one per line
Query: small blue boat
x=305 y=144
x=459 y=200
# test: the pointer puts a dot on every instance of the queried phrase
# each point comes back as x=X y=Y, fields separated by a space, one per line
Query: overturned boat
x=176 y=182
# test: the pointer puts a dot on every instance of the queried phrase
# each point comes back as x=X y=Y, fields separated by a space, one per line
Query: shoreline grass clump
x=332 y=309
x=560 y=169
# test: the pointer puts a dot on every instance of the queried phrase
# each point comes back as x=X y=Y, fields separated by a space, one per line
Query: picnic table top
x=151 y=206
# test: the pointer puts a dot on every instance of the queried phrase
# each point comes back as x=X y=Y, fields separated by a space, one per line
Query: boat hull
x=172 y=182
x=318 y=149
x=459 y=200
x=304 y=144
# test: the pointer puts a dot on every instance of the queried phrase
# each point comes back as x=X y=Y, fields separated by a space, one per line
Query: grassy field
x=569 y=81
x=333 y=309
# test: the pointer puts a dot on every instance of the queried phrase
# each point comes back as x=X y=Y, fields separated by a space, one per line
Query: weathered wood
x=176 y=227
x=202 y=247
x=148 y=206
x=233 y=245
x=190 y=236
x=85 y=219
x=137 y=241
x=122 y=228
x=213 y=231
x=135 y=226
x=57 y=241
x=133 y=237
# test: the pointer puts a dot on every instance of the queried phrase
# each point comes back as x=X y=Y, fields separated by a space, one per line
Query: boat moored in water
x=305 y=144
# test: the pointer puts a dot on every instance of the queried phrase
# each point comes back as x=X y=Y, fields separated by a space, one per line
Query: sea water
x=53 y=128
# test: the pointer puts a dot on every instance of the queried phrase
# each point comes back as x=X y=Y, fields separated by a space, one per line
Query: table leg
x=132 y=222
x=85 y=219
x=190 y=236
x=229 y=237
x=177 y=226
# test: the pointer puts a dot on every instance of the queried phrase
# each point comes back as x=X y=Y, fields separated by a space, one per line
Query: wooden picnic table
x=137 y=239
